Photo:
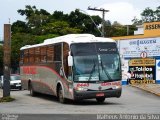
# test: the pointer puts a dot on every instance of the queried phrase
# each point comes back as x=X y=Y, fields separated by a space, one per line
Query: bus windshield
x=96 y=62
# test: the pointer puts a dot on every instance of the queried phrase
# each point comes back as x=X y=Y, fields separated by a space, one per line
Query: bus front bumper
x=79 y=95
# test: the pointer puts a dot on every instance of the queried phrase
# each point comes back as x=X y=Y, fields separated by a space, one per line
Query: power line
x=103 y=17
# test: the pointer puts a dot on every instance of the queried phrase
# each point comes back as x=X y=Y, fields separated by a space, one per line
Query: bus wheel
x=20 y=88
x=32 y=92
x=61 y=96
x=100 y=99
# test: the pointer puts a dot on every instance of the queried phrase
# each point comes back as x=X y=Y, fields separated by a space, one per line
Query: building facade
x=140 y=55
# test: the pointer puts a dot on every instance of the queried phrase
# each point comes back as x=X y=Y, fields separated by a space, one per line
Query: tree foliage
x=116 y=29
x=40 y=24
x=148 y=15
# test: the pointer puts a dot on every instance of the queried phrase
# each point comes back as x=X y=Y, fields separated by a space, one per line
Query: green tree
x=83 y=22
x=40 y=25
x=59 y=15
x=19 y=27
x=35 y=18
x=136 y=21
x=157 y=13
x=107 y=29
x=148 y=15
x=59 y=28
x=116 y=29
x=40 y=22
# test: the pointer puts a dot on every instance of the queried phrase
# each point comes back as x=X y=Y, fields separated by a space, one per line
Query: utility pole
x=6 y=60
x=103 y=17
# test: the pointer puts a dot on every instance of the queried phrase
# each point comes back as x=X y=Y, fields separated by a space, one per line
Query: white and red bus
x=74 y=66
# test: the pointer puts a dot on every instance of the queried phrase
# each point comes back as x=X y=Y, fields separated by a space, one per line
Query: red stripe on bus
x=64 y=83
x=43 y=83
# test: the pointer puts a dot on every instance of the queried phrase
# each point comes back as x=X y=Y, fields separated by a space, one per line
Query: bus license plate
x=100 y=94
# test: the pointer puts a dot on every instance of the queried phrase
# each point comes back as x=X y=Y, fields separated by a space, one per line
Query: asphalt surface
x=132 y=101
x=133 y=104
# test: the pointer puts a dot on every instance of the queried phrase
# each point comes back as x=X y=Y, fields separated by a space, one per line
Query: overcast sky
x=122 y=11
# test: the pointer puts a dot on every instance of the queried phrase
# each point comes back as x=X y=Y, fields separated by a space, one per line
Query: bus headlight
x=80 y=89
x=118 y=87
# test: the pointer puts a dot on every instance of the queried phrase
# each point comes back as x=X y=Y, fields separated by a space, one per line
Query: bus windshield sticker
x=96 y=78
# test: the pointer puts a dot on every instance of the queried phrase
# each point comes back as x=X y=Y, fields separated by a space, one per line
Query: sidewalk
x=152 y=88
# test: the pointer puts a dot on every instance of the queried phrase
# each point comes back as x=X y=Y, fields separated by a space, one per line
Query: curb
x=145 y=89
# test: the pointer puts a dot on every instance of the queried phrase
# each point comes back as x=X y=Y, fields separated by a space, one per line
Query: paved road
x=132 y=101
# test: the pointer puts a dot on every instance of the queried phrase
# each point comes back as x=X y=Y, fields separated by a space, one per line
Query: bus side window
x=50 y=52
x=43 y=54
x=37 y=55
x=26 y=56
x=31 y=55
x=21 y=57
x=57 y=52
x=57 y=57
x=65 y=58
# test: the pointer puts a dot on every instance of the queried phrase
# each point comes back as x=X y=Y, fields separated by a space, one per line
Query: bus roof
x=71 y=38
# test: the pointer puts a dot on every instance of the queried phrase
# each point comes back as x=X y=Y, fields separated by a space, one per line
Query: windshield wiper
x=93 y=69
x=106 y=72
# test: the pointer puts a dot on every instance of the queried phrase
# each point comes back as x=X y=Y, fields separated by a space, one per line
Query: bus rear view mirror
x=70 y=60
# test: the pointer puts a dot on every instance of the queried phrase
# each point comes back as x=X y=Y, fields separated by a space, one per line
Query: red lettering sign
x=82 y=84
x=116 y=83
x=111 y=83
x=105 y=84
x=29 y=70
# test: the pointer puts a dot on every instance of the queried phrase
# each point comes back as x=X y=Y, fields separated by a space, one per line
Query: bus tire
x=32 y=92
x=61 y=95
x=20 y=88
x=100 y=99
